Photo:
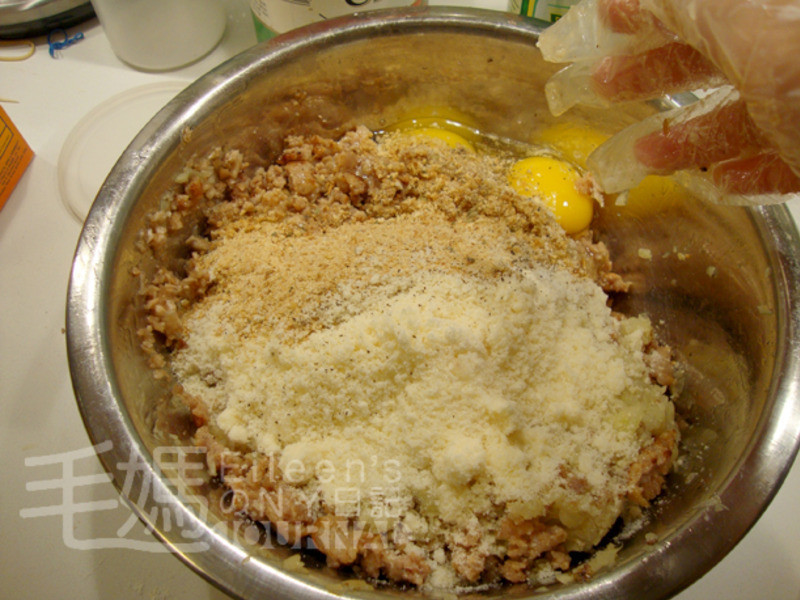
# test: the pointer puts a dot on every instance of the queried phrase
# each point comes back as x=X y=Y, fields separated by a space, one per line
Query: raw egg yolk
x=553 y=181
x=448 y=137
x=573 y=142
x=654 y=194
x=440 y=122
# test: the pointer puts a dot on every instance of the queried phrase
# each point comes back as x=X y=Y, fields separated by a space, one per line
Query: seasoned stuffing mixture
x=388 y=351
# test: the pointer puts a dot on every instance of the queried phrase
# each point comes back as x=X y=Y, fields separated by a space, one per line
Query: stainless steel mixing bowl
x=721 y=286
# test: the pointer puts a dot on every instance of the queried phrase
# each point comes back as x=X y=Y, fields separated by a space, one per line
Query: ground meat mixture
x=389 y=352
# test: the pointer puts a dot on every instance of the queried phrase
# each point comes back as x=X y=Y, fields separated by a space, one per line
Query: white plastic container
x=273 y=17
x=158 y=35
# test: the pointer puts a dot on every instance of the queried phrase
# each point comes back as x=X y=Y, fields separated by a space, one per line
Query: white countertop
x=45 y=551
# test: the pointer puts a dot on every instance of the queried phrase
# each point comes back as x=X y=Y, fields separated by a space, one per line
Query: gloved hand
x=739 y=145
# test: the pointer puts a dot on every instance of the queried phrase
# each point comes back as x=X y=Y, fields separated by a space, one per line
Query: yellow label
x=544 y=10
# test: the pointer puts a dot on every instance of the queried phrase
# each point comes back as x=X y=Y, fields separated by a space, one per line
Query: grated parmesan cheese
x=451 y=391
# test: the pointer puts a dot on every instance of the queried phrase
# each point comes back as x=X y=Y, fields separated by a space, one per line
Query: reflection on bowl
x=719 y=283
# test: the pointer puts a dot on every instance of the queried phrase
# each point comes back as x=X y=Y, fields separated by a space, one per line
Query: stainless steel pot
x=723 y=287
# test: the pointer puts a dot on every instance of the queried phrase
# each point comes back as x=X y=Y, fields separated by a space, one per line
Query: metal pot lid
x=29 y=18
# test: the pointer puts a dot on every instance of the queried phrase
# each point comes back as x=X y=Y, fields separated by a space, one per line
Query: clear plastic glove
x=740 y=144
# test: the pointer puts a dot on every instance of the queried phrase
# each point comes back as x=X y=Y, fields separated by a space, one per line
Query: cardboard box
x=15 y=155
